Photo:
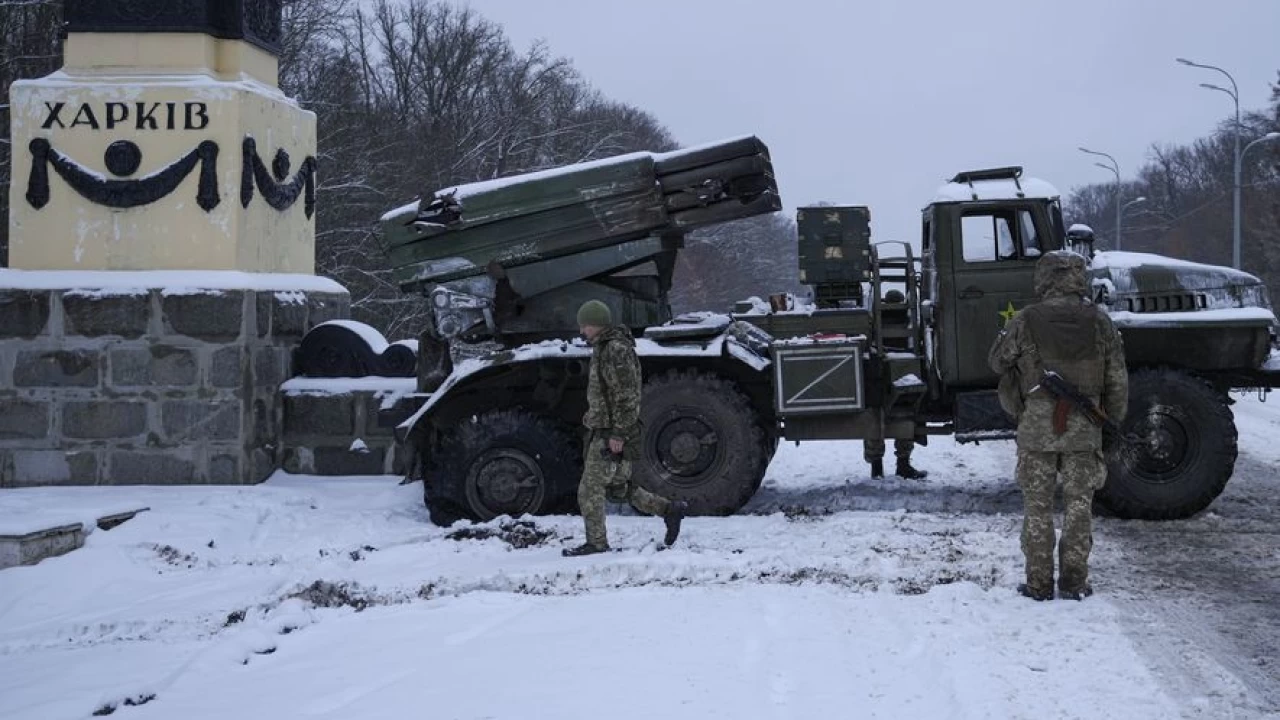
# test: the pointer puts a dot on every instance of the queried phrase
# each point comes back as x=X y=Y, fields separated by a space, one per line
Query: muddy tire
x=502 y=462
x=703 y=442
x=1188 y=454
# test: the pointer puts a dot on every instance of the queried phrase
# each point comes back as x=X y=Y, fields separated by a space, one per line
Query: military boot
x=584 y=549
x=906 y=471
x=1075 y=593
x=877 y=468
x=1037 y=594
x=675 y=514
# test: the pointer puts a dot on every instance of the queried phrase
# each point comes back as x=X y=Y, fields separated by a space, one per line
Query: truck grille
x=1169 y=302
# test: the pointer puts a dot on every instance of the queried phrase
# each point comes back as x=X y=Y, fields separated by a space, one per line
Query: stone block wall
x=346 y=426
x=148 y=386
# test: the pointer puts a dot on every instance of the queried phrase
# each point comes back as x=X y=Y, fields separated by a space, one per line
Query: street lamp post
x=1234 y=93
x=1130 y=204
x=1115 y=168
x=1239 y=165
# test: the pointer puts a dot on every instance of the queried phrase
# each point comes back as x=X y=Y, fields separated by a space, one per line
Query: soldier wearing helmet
x=1067 y=334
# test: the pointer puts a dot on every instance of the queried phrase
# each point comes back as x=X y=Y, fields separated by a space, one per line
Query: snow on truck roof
x=994 y=184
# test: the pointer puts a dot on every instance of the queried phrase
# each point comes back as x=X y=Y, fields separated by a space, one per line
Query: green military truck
x=506 y=263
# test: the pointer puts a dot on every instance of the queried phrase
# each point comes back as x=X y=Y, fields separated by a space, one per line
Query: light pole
x=1234 y=93
x=1130 y=204
x=1115 y=168
x=1239 y=165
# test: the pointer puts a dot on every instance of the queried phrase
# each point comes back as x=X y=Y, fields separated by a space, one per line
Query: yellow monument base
x=161 y=152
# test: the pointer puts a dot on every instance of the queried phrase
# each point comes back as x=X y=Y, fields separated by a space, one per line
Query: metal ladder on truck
x=898 y=331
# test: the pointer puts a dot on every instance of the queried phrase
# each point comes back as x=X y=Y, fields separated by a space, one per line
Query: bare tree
x=1188 y=211
x=29 y=47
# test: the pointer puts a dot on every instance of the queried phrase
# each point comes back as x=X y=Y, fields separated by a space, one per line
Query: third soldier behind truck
x=613 y=423
x=1067 y=334
x=873 y=448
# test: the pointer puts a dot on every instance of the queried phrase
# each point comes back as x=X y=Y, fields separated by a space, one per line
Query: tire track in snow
x=1200 y=595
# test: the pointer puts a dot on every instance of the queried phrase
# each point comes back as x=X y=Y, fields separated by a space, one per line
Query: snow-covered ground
x=831 y=595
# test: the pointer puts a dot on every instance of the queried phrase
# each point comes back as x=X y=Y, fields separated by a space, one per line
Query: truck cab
x=982 y=235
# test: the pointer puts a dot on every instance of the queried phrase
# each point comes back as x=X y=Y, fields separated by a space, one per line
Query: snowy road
x=831 y=595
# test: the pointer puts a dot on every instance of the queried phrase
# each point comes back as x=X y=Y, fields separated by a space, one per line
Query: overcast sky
x=875 y=102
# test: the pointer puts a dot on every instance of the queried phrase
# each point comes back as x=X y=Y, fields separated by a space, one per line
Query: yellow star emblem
x=1008 y=313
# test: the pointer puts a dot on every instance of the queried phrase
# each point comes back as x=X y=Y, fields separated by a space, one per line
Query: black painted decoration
x=255 y=21
x=278 y=193
x=122 y=158
x=336 y=350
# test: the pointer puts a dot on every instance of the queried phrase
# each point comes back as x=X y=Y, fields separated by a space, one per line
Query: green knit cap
x=594 y=312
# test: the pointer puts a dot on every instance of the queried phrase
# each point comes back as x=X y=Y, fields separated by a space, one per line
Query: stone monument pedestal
x=149 y=377
x=162 y=231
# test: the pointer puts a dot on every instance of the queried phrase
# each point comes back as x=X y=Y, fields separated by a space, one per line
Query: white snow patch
x=996 y=190
x=758 y=306
x=20 y=515
x=105 y=293
x=358 y=446
x=700 y=319
x=179 y=290
x=1124 y=260
x=821 y=340
x=462 y=192
x=346 y=386
x=888 y=614
x=291 y=297
x=711 y=348
x=1224 y=316
x=907 y=381
x=1273 y=361
x=403 y=209
x=696 y=148
x=173 y=281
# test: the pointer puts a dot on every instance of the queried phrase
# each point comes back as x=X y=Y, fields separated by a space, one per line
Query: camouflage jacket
x=613 y=386
x=1085 y=348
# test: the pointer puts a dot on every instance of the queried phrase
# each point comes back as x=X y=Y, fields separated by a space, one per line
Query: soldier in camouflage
x=873 y=448
x=613 y=424
x=1068 y=334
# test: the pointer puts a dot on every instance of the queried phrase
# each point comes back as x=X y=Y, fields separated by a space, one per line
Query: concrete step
x=29 y=546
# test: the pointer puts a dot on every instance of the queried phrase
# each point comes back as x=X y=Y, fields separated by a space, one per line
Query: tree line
x=417 y=95
x=1188 y=188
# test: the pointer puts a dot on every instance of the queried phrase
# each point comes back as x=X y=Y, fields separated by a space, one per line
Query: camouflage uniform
x=873 y=448
x=1066 y=333
x=613 y=411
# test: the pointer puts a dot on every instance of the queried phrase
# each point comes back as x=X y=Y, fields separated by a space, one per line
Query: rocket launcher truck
x=506 y=263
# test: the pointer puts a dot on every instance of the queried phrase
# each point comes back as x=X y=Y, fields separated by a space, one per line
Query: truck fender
x=734 y=342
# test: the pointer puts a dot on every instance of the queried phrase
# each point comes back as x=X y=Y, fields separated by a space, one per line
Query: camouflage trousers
x=603 y=478
x=1082 y=473
x=873 y=448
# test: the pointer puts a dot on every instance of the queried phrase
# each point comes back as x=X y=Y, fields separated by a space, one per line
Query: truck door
x=994 y=266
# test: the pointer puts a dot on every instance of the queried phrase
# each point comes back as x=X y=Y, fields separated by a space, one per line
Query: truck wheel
x=1189 y=453
x=703 y=442
x=502 y=462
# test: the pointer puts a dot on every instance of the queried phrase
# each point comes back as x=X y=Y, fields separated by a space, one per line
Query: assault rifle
x=1057 y=386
